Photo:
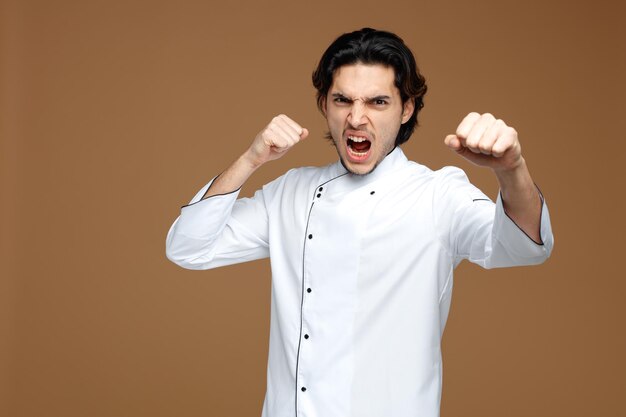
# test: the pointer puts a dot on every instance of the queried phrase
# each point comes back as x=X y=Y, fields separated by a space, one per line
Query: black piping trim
x=215 y=195
x=481 y=199
x=540 y=217
x=306 y=232
x=326 y=182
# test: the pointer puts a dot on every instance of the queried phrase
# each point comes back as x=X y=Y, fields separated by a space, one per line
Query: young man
x=362 y=250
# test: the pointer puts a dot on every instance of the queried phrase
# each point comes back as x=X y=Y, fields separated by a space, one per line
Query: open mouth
x=358 y=146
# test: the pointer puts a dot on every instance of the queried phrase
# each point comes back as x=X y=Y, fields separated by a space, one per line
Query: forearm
x=233 y=177
x=205 y=236
x=271 y=143
x=521 y=199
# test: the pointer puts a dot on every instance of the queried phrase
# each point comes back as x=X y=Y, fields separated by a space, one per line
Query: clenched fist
x=486 y=141
x=275 y=140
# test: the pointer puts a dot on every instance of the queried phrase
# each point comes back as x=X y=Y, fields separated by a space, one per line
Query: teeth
x=358 y=154
x=357 y=139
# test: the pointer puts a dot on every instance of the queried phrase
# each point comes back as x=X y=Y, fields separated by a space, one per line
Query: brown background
x=114 y=113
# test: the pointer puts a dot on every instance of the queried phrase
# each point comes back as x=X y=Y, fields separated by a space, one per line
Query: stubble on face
x=347 y=167
x=331 y=140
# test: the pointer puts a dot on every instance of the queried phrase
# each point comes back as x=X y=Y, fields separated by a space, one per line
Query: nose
x=357 y=116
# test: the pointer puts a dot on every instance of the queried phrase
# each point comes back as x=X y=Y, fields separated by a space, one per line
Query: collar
x=394 y=161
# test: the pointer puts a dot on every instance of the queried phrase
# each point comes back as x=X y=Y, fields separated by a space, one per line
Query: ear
x=407 y=110
x=324 y=106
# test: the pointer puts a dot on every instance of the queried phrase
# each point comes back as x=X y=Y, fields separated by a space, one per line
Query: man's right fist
x=275 y=140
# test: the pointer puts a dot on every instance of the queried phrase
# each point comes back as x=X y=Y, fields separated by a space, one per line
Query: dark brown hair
x=371 y=46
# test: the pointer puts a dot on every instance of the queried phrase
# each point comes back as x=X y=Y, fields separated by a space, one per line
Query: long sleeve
x=219 y=230
x=472 y=227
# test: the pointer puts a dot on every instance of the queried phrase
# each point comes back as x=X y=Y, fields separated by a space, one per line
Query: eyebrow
x=367 y=99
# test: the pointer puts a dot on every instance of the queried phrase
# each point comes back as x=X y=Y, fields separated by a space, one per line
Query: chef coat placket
x=330 y=271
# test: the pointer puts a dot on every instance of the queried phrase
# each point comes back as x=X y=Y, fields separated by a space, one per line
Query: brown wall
x=114 y=113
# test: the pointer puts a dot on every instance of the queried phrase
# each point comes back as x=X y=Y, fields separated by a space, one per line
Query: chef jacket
x=361 y=277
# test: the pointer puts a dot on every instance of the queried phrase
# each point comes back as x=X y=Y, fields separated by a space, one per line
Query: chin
x=354 y=169
x=364 y=170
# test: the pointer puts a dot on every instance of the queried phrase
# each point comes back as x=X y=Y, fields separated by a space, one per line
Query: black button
x=372 y=192
x=319 y=195
x=306 y=336
x=320 y=189
x=308 y=290
x=310 y=236
x=303 y=389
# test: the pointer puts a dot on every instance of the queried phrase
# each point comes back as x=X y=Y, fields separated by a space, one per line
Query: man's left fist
x=486 y=141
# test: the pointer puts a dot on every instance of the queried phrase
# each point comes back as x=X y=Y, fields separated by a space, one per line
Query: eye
x=380 y=102
x=341 y=100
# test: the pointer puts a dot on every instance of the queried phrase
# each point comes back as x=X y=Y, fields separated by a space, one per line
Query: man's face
x=364 y=112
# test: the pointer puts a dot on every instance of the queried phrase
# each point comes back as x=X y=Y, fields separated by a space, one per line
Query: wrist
x=512 y=170
x=515 y=182
x=249 y=161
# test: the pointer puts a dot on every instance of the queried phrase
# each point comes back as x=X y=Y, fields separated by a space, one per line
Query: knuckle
x=509 y=134
x=498 y=147
x=498 y=150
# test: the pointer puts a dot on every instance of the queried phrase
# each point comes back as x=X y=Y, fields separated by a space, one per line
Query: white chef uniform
x=361 y=277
